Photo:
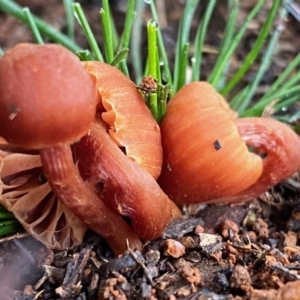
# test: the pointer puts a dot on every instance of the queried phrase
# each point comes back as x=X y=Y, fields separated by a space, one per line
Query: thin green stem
x=183 y=39
x=16 y=10
x=152 y=47
x=130 y=14
x=199 y=41
x=153 y=63
x=252 y=55
x=163 y=94
x=240 y=103
x=9 y=227
x=6 y=215
x=183 y=66
x=221 y=65
x=136 y=42
x=79 y=14
x=36 y=34
x=107 y=31
x=69 y=18
x=161 y=47
x=123 y=67
x=120 y=56
x=258 y=108
x=283 y=78
x=231 y=46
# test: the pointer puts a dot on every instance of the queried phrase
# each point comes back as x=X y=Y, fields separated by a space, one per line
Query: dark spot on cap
x=217 y=145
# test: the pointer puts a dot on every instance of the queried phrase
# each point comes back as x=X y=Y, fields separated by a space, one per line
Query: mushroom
x=47 y=102
x=206 y=155
x=123 y=185
x=125 y=181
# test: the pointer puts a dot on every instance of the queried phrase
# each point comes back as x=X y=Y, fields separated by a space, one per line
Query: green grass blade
x=252 y=55
x=183 y=39
x=183 y=66
x=153 y=64
x=257 y=109
x=130 y=15
x=233 y=9
x=152 y=47
x=120 y=56
x=163 y=93
x=225 y=55
x=167 y=75
x=35 y=31
x=11 y=8
x=107 y=33
x=283 y=79
x=70 y=18
x=123 y=67
x=240 y=103
x=6 y=215
x=199 y=41
x=136 y=42
x=9 y=227
x=79 y=14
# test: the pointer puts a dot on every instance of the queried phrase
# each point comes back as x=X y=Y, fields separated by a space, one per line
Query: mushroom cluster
x=72 y=117
x=80 y=149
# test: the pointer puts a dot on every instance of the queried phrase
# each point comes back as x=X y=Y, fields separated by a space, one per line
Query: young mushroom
x=47 y=102
x=123 y=185
x=125 y=181
x=206 y=155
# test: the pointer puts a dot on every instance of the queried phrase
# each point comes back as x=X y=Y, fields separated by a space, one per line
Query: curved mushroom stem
x=71 y=190
x=127 y=188
x=279 y=146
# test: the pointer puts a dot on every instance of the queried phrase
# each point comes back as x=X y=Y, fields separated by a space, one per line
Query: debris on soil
x=256 y=259
x=249 y=251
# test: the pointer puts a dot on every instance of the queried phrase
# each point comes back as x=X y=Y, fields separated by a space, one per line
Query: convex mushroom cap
x=46 y=96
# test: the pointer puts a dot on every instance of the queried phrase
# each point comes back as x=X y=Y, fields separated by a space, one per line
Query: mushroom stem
x=82 y=200
x=127 y=188
x=277 y=144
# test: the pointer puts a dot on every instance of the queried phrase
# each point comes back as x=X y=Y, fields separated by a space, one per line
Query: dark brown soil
x=248 y=251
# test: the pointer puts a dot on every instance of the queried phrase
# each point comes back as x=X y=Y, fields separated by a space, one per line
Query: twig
x=141 y=263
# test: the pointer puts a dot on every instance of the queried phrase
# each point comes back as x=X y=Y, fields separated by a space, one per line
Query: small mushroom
x=125 y=181
x=206 y=155
x=124 y=186
x=193 y=170
x=47 y=102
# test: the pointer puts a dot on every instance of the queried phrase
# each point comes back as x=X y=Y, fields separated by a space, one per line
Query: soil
x=247 y=251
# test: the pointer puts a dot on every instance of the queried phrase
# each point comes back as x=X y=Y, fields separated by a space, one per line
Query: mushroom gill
x=25 y=192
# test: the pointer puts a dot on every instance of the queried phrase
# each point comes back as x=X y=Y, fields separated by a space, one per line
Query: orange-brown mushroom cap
x=280 y=147
x=59 y=94
x=47 y=101
x=132 y=126
x=205 y=158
